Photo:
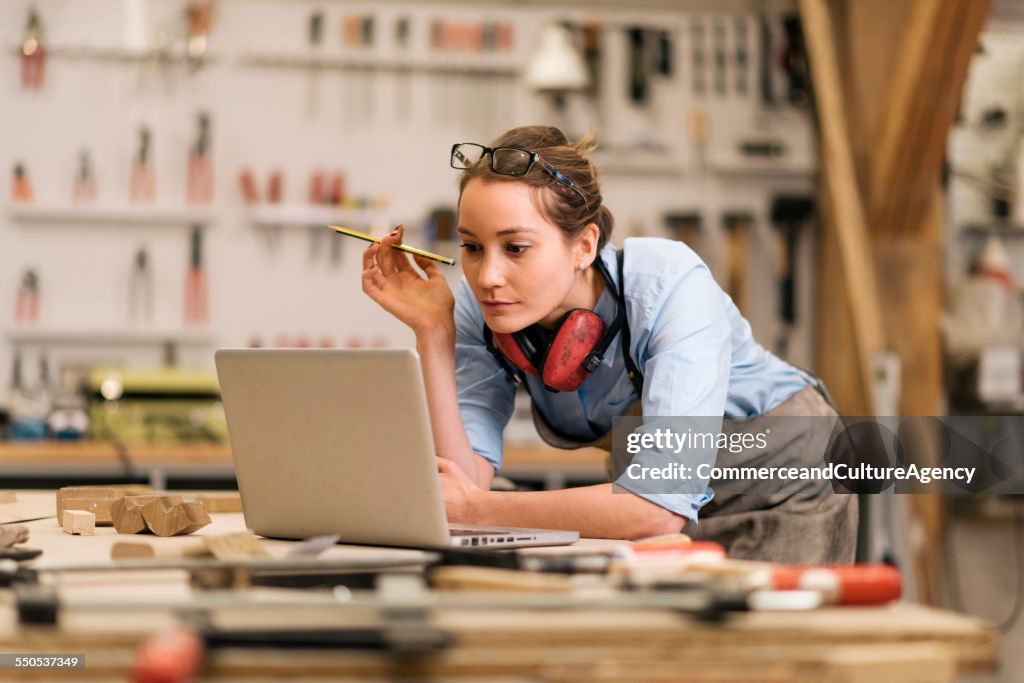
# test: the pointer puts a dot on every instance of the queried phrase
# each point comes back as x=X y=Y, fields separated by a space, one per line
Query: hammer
x=788 y=214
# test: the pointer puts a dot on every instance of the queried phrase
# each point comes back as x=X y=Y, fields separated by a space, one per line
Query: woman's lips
x=496 y=306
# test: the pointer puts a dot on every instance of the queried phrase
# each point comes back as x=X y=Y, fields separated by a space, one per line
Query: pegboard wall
x=986 y=156
x=719 y=130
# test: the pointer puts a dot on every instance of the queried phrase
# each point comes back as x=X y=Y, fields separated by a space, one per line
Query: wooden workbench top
x=898 y=642
x=97 y=452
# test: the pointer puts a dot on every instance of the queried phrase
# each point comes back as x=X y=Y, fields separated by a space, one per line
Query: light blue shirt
x=693 y=347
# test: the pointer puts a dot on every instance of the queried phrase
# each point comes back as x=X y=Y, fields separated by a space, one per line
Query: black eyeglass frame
x=534 y=159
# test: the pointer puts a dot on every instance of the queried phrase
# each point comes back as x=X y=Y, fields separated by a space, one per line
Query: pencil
x=400 y=247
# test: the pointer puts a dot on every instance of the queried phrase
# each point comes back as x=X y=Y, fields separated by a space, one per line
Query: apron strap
x=635 y=376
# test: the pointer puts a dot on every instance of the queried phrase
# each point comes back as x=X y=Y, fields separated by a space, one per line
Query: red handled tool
x=143 y=183
x=169 y=657
x=27 y=306
x=196 y=299
x=200 y=169
x=33 y=54
x=863 y=584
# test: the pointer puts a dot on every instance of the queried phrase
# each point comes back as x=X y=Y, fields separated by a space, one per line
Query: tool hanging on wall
x=794 y=62
x=403 y=84
x=247 y=187
x=639 y=90
x=440 y=225
x=369 y=81
x=440 y=105
x=143 y=188
x=719 y=51
x=336 y=197
x=196 y=295
x=789 y=214
x=199 y=20
x=275 y=196
x=698 y=62
x=85 y=182
x=315 y=37
x=26 y=309
x=318 y=195
x=200 y=168
x=28 y=409
x=766 y=61
x=505 y=41
x=664 y=55
x=738 y=226
x=357 y=33
x=140 y=289
x=489 y=84
x=685 y=227
x=33 y=53
x=21 y=186
x=741 y=51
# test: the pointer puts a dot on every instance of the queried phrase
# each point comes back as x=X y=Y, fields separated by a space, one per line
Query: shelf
x=638 y=163
x=97 y=337
x=464 y=64
x=128 y=55
x=998 y=229
x=760 y=168
x=305 y=215
x=127 y=215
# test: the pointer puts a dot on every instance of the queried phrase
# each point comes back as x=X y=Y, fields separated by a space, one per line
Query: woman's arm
x=426 y=306
x=593 y=511
x=437 y=353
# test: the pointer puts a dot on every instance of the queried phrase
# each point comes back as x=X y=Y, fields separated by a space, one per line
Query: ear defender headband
x=562 y=358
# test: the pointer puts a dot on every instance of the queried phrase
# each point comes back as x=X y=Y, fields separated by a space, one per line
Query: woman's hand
x=425 y=305
x=461 y=494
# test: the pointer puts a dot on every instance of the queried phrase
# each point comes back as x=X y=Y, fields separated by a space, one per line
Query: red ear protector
x=562 y=357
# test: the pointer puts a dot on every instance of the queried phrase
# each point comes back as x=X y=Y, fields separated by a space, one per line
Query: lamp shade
x=556 y=65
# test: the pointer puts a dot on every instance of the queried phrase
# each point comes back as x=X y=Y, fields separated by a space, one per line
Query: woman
x=541 y=279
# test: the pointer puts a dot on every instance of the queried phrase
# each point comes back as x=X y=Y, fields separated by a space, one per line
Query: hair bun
x=585 y=145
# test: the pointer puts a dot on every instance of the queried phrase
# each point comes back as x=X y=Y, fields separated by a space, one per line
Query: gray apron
x=807 y=527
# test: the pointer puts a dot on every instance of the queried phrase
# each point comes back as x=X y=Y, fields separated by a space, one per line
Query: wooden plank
x=842 y=193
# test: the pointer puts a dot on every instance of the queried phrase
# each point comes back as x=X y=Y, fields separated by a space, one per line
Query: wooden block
x=494 y=579
x=126 y=513
x=11 y=534
x=241 y=546
x=8 y=497
x=79 y=522
x=221 y=501
x=150 y=550
x=95 y=499
x=170 y=516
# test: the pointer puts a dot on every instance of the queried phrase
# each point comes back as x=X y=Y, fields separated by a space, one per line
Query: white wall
x=262 y=117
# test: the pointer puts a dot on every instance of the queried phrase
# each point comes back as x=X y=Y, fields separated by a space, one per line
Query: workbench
x=506 y=642
x=64 y=461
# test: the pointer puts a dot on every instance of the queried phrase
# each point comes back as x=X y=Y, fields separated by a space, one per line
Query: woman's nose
x=491 y=273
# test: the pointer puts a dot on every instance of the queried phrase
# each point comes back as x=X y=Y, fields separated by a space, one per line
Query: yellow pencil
x=400 y=247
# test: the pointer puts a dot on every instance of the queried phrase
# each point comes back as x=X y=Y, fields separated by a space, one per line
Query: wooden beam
x=921 y=101
x=843 y=196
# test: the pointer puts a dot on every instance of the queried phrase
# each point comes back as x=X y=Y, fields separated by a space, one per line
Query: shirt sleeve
x=686 y=382
x=485 y=394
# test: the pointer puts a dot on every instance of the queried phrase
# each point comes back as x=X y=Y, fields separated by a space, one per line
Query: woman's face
x=519 y=265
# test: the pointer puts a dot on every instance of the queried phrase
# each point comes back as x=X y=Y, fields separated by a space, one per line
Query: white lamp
x=556 y=66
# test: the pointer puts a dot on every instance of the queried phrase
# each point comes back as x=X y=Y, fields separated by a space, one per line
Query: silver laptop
x=339 y=442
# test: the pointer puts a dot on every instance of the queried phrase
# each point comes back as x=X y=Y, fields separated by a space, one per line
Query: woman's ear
x=586 y=244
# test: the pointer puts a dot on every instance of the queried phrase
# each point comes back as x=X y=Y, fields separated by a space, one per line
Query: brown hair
x=561 y=205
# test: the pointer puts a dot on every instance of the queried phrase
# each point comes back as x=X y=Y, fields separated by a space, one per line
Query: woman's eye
x=516 y=248
x=470 y=248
